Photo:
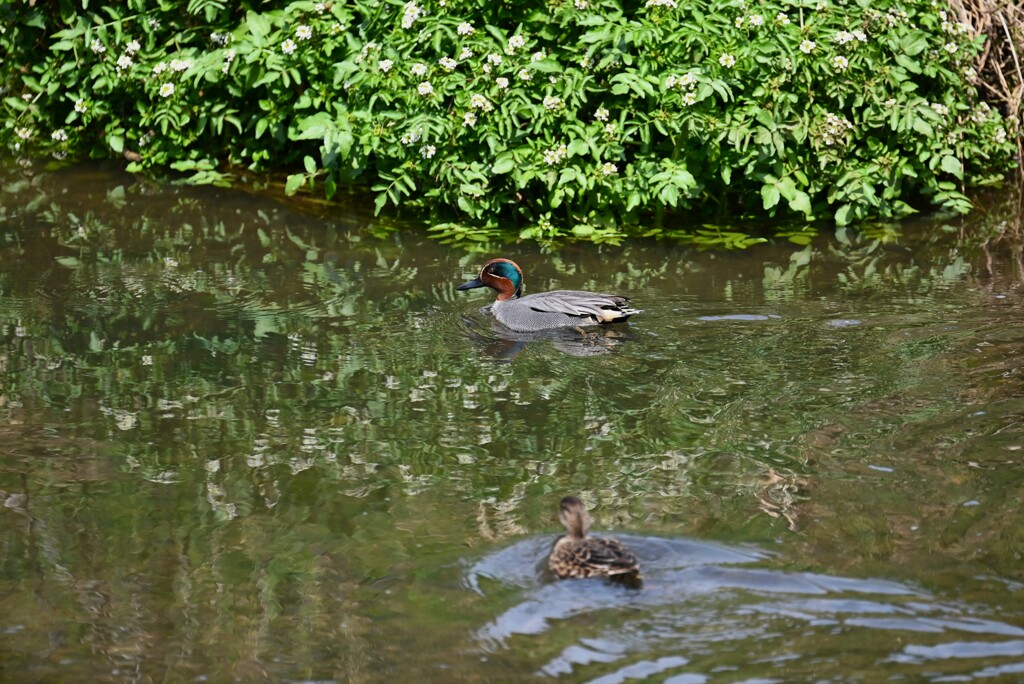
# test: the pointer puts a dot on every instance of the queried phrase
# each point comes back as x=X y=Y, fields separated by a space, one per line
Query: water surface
x=242 y=441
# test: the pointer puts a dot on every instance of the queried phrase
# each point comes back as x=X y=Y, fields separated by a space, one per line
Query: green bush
x=582 y=117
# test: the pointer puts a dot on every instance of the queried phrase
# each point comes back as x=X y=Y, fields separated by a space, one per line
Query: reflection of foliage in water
x=203 y=360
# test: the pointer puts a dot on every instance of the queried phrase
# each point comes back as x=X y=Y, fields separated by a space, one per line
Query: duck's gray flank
x=544 y=310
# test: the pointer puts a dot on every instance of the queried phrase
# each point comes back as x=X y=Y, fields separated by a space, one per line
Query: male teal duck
x=577 y=555
x=545 y=310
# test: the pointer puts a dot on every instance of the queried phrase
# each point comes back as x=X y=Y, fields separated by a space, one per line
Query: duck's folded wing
x=574 y=303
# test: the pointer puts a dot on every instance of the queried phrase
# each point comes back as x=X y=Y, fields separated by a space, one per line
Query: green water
x=242 y=442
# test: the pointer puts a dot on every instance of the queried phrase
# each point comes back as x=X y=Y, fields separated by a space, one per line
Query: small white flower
x=132 y=47
x=494 y=58
x=807 y=46
x=580 y=4
x=840 y=63
x=661 y=3
x=220 y=38
x=524 y=75
x=97 y=47
x=940 y=109
x=891 y=102
x=951 y=48
x=28 y=97
x=160 y=68
x=555 y=154
x=609 y=169
x=303 y=32
x=419 y=69
x=412 y=137
x=465 y=29
x=288 y=46
x=756 y=20
x=425 y=88
x=23 y=133
x=553 y=103
x=585 y=62
x=166 y=90
x=465 y=53
x=428 y=151
x=448 y=63
x=844 y=37
x=537 y=56
x=320 y=7
x=502 y=82
x=601 y=114
x=514 y=43
x=80 y=106
x=410 y=15
x=687 y=80
x=727 y=60
x=689 y=98
x=385 y=65
x=60 y=135
x=478 y=101
x=124 y=62
x=147 y=359
x=671 y=81
x=781 y=19
x=469 y=119
x=182 y=64
x=860 y=35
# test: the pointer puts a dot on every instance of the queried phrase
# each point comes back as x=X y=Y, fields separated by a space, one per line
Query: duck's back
x=592 y=557
x=561 y=308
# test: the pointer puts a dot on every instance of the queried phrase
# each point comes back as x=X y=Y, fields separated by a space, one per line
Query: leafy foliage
x=579 y=118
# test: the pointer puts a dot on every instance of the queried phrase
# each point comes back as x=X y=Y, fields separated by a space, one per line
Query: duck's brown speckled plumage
x=578 y=555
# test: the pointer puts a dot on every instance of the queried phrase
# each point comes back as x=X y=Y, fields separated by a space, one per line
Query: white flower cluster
x=97 y=47
x=807 y=46
x=288 y=46
x=781 y=19
x=80 y=106
x=425 y=89
x=465 y=29
x=478 y=101
x=727 y=60
x=124 y=62
x=840 y=63
x=894 y=17
x=524 y=75
x=23 y=133
x=412 y=137
x=501 y=82
x=60 y=135
x=385 y=65
x=835 y=129
x=411 y=13
x=580 y=4
x=981 y=113
x=601 y=114
x=951 y=48
x=132 y=47
x=468 y=120
x=448 y=64
x=556 y=155
x=419 y=69
x=180 y=65
x=609 y=169
x=465 y=53
x=493 y=60
x=671 y=4
x=229 y=57
x=553 y=103
x=166 y=90
x=428 y=151
x=514 y=43
x=687 y=83
x=221 y=39
x=753 y=20
x=939 y=108
x=845 y=37
x=303 y=32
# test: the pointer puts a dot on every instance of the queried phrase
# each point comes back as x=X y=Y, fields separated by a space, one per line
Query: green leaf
x=503 y=165
x=951 y=164
x=309 y=163
x=294 y=182
x=769 y=195
x=914 y=43
x=116 y=143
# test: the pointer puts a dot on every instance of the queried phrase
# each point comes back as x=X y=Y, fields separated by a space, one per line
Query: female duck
x=544 y=310
x=578 y=555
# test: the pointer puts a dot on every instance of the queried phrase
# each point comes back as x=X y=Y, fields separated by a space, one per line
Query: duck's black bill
x=476 y=282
